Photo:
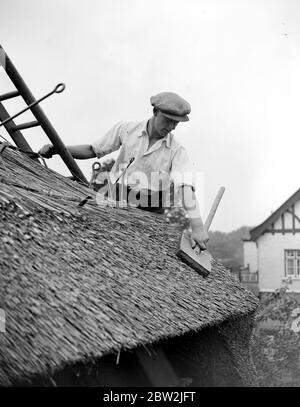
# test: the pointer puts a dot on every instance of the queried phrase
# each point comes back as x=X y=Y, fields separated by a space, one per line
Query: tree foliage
x=227 y=248
x=276 y=340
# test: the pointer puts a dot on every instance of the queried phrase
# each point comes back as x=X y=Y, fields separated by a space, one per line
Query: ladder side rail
x=43 y=120
x=16 y=135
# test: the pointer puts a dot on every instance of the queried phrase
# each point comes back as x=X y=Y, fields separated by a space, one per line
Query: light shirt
x=166 y=161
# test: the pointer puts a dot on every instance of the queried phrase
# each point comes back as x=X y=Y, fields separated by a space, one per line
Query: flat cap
x=172 y=106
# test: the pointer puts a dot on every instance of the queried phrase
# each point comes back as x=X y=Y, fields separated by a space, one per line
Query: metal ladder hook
x=58 y=89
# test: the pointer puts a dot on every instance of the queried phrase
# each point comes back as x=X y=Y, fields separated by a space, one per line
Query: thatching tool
x=114 y=191
x=199 y=260
x=96 y=169
x=58 y=89
x=125 y=169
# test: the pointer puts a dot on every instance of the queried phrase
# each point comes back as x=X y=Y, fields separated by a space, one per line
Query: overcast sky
x=236 y=62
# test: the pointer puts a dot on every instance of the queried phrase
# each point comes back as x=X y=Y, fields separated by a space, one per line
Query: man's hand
x=47 y=151
x=199 y=238
x=199 y=235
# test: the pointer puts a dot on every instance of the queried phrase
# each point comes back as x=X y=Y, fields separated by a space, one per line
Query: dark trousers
x=151 y=201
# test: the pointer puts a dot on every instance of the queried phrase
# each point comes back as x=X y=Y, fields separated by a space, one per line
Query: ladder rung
x=26 y=125
x=9 y=95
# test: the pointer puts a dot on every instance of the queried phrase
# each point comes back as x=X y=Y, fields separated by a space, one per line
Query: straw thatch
x=81 y=282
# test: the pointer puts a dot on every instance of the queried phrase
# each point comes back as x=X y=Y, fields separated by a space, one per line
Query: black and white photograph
x=149 y=197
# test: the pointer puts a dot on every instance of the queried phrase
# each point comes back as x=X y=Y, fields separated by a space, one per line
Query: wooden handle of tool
x=214 y=208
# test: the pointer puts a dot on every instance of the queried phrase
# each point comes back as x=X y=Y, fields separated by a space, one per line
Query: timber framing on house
x=268 y=226
x=273 y=250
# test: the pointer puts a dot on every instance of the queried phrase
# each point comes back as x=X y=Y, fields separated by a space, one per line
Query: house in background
x=272 y=253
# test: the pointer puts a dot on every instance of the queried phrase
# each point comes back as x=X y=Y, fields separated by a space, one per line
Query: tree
x=276 y=352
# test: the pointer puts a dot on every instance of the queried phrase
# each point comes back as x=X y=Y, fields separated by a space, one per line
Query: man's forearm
x=80 y=152
x=190 y=204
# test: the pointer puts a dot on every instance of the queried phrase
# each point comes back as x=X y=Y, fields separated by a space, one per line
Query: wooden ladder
x=15 y=131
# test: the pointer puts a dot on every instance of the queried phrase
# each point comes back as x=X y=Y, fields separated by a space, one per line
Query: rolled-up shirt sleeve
x=182 y=171
x=111 y=141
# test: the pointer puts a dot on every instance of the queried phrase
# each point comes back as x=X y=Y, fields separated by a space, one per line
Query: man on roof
x=150 y=160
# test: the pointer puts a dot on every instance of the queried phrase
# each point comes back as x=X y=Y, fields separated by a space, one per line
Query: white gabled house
x=272 y=253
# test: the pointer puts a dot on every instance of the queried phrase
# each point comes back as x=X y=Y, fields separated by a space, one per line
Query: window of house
x=247 y=277
x=292 y=263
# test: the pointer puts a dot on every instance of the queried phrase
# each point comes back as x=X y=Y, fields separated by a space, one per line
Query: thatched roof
x=81 y=282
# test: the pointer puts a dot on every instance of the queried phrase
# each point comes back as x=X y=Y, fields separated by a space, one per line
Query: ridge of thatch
x=81 y=282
